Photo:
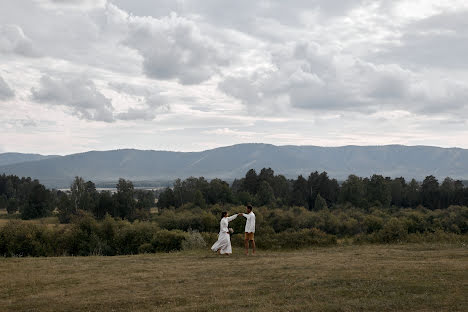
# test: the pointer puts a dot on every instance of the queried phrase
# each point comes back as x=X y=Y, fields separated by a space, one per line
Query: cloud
x=153 y=102
x=14 y=41
x=173 y=47
x=78 y=94
x=436 y=41
x=295 y=72
x=5 y=91
x=136 y=114
x=72 y=4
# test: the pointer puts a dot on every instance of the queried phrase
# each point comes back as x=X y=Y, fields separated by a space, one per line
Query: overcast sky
x=188 y=75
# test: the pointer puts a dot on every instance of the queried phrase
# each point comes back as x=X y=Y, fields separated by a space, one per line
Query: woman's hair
x=223 y=214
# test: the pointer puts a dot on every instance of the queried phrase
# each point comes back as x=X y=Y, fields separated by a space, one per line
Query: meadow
x=397 y=277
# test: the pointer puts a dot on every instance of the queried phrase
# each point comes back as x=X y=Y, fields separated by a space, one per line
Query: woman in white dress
x=223 y=244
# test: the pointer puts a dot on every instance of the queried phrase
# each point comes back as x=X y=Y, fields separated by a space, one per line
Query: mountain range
x=13 y=158
x=233 y=162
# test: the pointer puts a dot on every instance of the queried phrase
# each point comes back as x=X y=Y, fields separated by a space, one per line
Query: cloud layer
x=195 y=74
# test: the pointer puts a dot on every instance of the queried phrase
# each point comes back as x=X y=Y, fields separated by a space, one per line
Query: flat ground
x=344 y=278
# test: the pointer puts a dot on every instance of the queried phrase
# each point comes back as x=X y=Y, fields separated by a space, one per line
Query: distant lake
x=114 y=189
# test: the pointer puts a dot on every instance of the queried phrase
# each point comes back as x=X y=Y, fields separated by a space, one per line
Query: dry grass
x=345 y=278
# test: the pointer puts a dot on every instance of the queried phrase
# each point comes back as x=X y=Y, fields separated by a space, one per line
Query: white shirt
x=250 y=224
x=223 y=225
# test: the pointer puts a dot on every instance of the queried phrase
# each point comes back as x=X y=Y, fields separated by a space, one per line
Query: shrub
x=166 y=241
x=22 y=239
x=145 y=248
x=372 y=224
x=193 y=240
x=394 y=230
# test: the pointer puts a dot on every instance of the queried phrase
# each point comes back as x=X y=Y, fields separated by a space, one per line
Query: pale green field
x=345 y=278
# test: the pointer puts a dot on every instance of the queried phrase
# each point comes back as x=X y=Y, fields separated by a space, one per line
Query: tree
x=378 y=191
x=12 y=206
x=66 y=208
x=430 y=192
x=125 y=204
x=199 y=200
x=166 y=199
x=447 y=192
x=251 y=182
x=265 y=194
x=145 y=199
x=3 y=201
x=353 y=191
x=38 y=204
x=300 y=192
x=396 y=190
x=281 y=188
x=105 y=205
x=412 y=194
x=321 y=184
x=219 y=192
x=320 y=203
x=266 y=175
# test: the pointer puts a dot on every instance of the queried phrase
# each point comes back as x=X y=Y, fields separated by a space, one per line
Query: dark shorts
x=249 y=236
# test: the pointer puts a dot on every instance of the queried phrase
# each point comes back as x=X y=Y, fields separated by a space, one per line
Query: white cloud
x=13 y=40
x=78 y=94
x=205 y=73
x=173 y=47
x=5 y=91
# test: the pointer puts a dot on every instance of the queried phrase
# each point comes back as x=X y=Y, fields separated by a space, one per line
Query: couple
x=223 y=244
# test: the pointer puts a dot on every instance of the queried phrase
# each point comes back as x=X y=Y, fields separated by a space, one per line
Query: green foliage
x=394 y=230
x=320 y=203
x=12 y=206
x=265 y=194
x=166 y=241
x=124 y=205
x=38 y=204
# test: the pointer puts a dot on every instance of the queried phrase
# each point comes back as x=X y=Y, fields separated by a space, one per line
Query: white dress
x=223 y=244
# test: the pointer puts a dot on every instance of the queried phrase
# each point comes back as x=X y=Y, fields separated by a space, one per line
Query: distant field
x=346 y=278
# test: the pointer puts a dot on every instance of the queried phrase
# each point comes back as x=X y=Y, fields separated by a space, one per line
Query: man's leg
x=253 y=247
x=246 y=246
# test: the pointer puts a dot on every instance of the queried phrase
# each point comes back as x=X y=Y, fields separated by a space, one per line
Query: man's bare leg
x=246 y=247
x=253 y=247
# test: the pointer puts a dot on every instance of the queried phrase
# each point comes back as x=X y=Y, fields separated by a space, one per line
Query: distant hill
x=233 y=161
x=14 y=158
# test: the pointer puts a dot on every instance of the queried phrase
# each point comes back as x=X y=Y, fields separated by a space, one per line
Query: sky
x=190 y=75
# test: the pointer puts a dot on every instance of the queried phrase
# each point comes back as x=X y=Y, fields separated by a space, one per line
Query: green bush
x=22 y=239
x=167 y=241
x=394 y=230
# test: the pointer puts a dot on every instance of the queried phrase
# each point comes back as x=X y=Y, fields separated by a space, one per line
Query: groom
x=249 y=229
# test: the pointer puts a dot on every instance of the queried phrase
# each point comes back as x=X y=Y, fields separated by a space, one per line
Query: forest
x=291 y=213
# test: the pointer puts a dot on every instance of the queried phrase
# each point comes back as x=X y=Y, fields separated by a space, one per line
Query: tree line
x=32 y=200
x=316 y=192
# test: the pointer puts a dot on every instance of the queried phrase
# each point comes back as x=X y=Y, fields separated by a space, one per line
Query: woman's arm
x=232 y=218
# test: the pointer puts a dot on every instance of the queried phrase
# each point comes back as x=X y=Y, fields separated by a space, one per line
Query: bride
x=223 y=244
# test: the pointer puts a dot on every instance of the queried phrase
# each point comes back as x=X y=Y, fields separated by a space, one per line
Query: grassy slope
x=345 y=278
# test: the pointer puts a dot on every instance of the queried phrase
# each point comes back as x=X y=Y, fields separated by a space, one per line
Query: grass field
x=344 y=278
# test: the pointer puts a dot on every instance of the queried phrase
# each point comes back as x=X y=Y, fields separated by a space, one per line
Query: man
x=249 y=229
